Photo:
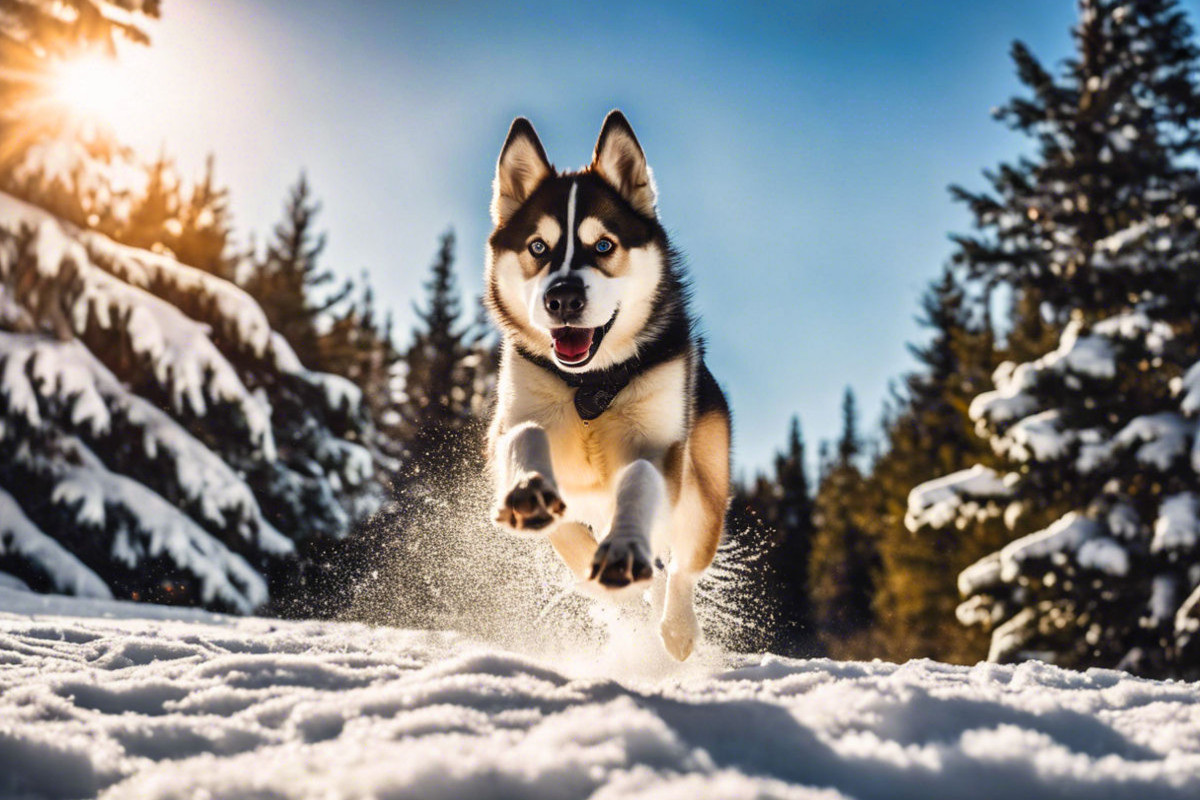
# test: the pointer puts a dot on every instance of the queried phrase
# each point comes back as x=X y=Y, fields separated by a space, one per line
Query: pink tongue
x=572 y=343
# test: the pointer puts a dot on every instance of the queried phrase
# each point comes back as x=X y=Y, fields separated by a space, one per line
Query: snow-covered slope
x=124 y=701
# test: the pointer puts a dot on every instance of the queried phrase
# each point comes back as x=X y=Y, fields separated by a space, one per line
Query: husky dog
x=610 y=436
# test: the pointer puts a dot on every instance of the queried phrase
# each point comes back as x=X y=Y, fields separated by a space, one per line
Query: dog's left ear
x=620 y=161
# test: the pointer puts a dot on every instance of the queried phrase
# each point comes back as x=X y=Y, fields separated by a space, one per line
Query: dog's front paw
x=620 y=562
x=532 y=504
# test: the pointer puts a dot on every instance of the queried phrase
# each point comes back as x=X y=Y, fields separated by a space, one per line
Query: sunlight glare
x=92 y=88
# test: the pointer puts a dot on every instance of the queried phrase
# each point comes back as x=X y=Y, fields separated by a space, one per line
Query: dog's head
x=576 y=258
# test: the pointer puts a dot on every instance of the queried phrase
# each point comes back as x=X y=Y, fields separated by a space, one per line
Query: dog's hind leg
x=697 y=522
x=529 y=499
x=576 y=546
x=624 y=555
x=690 y=529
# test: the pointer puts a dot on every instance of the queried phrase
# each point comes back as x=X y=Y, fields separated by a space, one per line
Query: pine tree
x=444 y=364
x=205 y=228
x=159 y=438
x=287 y=280
x=154 y=221
x=785 y=507
x=843 y=567
x=926 y=435
x=358 y=346
x=1095 y=436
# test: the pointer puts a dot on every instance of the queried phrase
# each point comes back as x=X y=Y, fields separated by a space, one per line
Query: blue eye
x=603 y=246
x=537 y=247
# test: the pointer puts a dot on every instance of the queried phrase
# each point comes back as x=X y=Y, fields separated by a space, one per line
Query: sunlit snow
x=121 y=701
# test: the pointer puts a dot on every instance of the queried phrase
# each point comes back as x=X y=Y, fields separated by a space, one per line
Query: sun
x=91 y=88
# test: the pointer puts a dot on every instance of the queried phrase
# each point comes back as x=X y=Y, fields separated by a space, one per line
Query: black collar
x=595 y=390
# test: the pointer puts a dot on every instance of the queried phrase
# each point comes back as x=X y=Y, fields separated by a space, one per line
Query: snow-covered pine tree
x=1097 y=438
x=157 y=434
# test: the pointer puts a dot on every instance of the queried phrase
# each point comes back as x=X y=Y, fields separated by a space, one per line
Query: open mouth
x=574 y=347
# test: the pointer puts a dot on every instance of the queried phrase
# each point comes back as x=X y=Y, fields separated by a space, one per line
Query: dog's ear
x=522 y=166
x=620 y=161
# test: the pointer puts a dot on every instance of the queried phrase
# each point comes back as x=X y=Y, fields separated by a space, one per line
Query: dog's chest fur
x=648 y=416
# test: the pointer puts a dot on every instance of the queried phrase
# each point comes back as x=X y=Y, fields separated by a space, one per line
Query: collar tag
x=592 y=401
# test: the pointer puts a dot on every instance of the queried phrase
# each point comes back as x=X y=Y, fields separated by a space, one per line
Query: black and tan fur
x=612 y=481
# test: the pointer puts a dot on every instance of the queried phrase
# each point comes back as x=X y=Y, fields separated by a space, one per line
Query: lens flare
x=91 y=88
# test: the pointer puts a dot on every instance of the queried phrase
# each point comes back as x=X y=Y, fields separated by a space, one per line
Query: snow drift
x=123 y=701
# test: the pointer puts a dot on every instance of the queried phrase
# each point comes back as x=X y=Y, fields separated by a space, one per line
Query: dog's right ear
x=522 y=166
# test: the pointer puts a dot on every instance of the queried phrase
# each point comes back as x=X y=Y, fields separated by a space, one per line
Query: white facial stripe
x=566 y=264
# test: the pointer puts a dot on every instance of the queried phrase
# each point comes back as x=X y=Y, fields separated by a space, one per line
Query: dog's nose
x=565 y=300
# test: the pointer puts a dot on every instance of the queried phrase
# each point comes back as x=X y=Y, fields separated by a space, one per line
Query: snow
x=1072 y=533
x=1084 y=355
x=340 y=393
x=1039 y=437
x=146 y=525
x=1135 y=325
x=99 y=182
x=1189 y=387
x=1091 y=355
x=1164 y=438
x=66 y=573
x=938 y=502
x=1178 y=525
x=34 y=366
x=1113 y=251
x=1163 y=600
x=227 y=305
x=179 y=349
x=1010 y=400
x=182 y=355
x=120 y=701
x=983 y=574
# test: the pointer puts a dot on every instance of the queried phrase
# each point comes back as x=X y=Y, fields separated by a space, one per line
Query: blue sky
x=802 y=151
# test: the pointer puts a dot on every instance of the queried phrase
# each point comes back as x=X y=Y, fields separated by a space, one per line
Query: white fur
x=565 y=267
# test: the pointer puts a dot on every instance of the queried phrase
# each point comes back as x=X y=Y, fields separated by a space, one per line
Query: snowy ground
x=123 y=701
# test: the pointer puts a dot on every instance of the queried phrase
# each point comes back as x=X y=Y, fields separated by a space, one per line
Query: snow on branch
x=983 y=574
x=1161 y=439
x=1145 y=245
x=1073 y=535
x=1092 y=355
x=340 y=393
x=144 y=525
x=1017 y=432
x=182 y=357
x=98 y=176
x=966 y=493
x=1189 y=388
x=223 y=305
x=1177 y=528
x=21 y=539
x=67 y=375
